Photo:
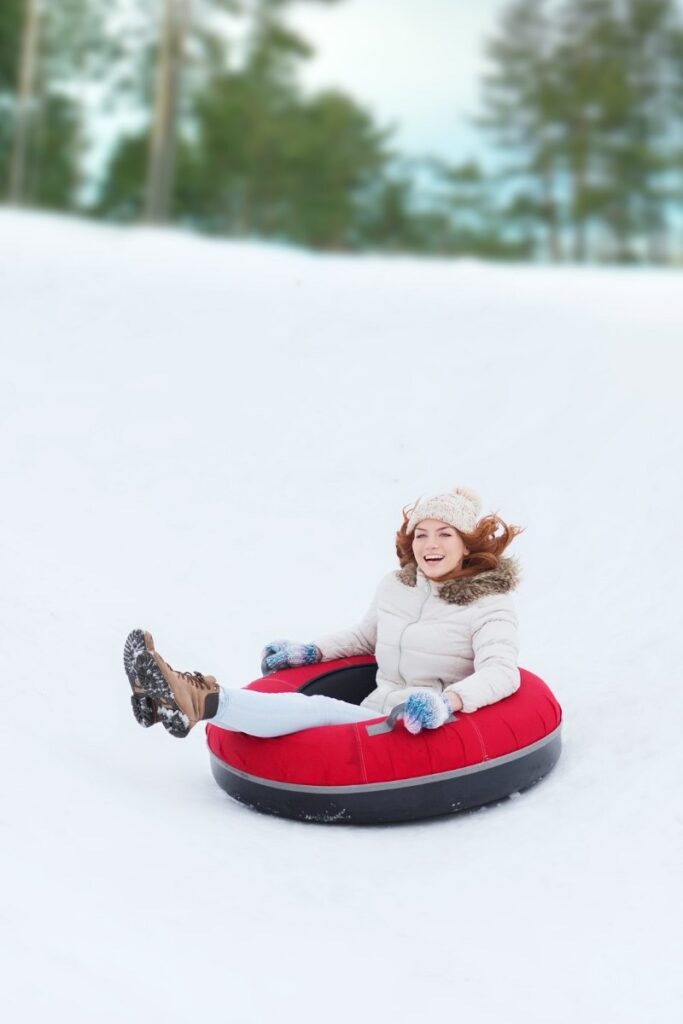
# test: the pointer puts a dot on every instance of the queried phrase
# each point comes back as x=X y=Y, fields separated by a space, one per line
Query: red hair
x=484 y=544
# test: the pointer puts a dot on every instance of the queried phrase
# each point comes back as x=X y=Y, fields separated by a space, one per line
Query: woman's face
x=438 y=548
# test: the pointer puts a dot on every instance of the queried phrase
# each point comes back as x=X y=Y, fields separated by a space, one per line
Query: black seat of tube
x=350 y=684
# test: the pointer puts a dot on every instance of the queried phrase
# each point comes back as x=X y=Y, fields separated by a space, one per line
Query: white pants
x=276 y=714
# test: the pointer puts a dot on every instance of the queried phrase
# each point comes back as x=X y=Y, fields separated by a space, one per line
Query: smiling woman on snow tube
x=419 y=709
x=446 y=623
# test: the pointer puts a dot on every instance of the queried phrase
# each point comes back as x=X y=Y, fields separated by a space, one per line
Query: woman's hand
x=454 y=700
x=425 y=709
x=281 y=654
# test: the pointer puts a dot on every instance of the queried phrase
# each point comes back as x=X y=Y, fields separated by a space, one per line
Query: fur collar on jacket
x=500 y=580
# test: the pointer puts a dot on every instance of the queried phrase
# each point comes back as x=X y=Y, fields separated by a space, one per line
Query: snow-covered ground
x=214 y=441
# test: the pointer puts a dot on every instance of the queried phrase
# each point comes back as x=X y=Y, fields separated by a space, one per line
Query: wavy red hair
x=485 y=544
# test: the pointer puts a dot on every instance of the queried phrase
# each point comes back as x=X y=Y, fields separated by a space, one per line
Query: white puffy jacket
x=459 y=635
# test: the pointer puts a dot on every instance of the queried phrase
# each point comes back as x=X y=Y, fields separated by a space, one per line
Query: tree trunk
x=580 y=246
x=161 y=163
x=25 y=102
x=550 y=218
x=581 y=147
x=657 y=231
x=618 y=221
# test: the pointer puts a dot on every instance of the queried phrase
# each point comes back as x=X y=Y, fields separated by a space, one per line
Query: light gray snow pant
x=277 y=714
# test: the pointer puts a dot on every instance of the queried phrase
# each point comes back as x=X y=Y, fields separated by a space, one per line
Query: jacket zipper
x=398 y=668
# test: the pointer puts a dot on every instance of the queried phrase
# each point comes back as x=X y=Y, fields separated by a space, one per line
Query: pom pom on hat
x=459 y=507
x=470 y=495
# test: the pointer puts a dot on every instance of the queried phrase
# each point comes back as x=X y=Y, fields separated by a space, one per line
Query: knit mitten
x=425 y=710
x=283 y=654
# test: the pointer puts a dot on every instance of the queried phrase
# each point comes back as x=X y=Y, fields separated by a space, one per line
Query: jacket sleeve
x=359 y=639
x=496 y=647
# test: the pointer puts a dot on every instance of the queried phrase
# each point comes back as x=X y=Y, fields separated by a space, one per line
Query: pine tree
x=644 y=155
x=55 y=50
x=177 y=30
x=386 y=218
x=520 y=100
x=333 y=152
x=583 y=95
x=26 y=101
x=616 y=58
x=175 y=24
x=258 y=159
x=674 y=169
x=11 y=24
x=591 y=102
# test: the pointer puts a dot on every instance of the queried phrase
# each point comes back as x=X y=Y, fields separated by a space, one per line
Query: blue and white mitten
x=425 y=710
x=283 y=654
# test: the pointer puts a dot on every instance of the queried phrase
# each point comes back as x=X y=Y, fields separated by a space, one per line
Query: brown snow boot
x=181 y=699
x=144 y=708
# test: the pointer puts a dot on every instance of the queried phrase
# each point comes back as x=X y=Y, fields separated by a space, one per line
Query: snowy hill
x=214 y=441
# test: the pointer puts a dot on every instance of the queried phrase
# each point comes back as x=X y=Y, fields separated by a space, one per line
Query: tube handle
x=389 y=723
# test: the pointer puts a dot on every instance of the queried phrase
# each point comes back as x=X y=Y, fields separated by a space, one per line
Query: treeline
x=585 y=98
x=582 y=110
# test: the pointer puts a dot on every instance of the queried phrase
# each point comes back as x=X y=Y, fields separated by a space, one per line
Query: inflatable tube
x=368 y=772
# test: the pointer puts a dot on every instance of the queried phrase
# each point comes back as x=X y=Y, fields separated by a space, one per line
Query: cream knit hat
x=459 y=507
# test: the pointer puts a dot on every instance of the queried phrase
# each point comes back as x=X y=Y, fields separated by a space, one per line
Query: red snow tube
x=366 y=772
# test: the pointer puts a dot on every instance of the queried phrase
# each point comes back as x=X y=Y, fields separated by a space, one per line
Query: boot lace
x=195 y=679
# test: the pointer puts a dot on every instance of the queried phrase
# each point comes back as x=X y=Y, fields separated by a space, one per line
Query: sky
x=416 y=63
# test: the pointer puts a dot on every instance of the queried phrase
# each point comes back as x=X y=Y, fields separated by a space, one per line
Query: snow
x=213 y=441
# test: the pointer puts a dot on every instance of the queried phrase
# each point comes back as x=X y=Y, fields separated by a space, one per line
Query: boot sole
x=144 y=709
x=159 y=694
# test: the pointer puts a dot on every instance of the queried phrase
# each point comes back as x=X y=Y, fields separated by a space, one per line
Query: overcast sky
x=413 y=62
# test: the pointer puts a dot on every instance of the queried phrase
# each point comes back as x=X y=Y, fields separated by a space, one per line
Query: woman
x=443 y=629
